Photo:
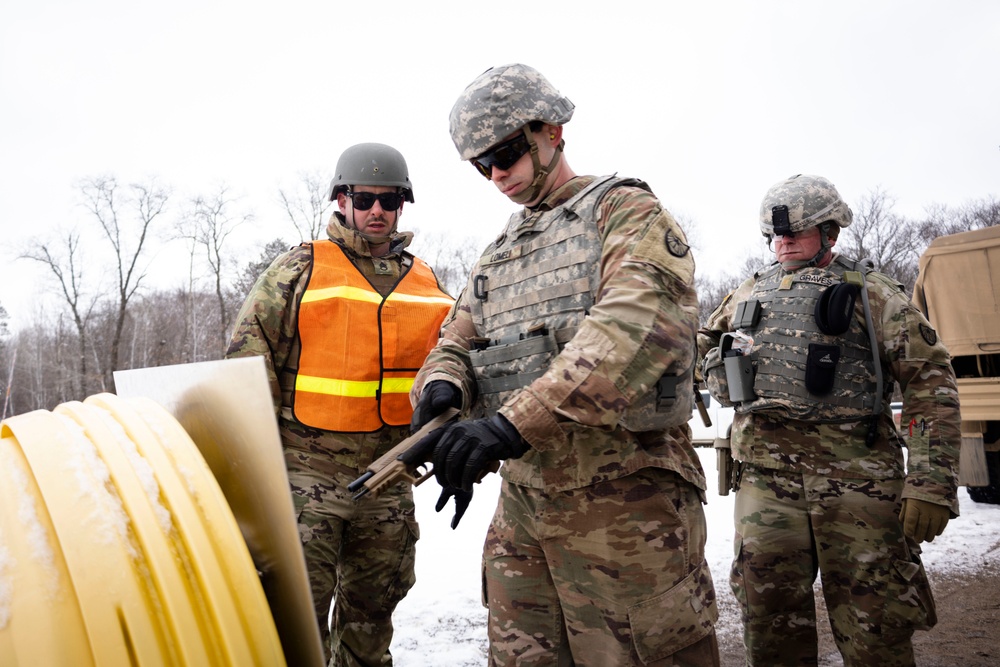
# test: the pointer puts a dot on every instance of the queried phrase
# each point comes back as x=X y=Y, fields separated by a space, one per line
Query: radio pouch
x=821 y=365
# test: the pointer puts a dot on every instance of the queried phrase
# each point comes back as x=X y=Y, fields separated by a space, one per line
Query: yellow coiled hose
x=117 y=546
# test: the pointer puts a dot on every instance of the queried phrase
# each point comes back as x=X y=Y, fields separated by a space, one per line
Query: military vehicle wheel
x=989 y=494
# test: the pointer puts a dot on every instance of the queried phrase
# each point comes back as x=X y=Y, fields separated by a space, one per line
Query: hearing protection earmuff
x=835 y=308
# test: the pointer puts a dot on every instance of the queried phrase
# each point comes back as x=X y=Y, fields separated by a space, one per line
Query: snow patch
x=108 y=516
x=35 y=535
x=143 y=471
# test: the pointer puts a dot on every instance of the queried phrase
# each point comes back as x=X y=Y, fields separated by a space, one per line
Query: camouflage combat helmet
x=501 y=101
x=800 y=202
x=371 y=164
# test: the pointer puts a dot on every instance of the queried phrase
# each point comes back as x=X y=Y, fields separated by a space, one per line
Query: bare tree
x=42 y=375
x=144 y=203
x=11 y=364
x=66 y=264
x=981 y=213
x=252 y=270
x=8 y=359
x=941 y=220
x=152 y=337
x=30 y=386
x=209 y=224
x=711 y=291
x=877 y=233
x=452 y=259
x=307 y=205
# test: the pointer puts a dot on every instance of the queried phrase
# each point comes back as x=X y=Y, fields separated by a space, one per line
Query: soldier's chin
x=524 y=197
x=378 y=239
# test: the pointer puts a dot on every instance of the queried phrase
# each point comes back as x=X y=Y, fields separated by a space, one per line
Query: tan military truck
x=958 y=290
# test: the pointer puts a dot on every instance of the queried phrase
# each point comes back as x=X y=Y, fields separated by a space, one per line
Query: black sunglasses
x=503 y=156
x=363 y=201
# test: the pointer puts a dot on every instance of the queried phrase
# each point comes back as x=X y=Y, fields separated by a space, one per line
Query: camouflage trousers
x=610 y=574
x=788 y=527
x=359 y=555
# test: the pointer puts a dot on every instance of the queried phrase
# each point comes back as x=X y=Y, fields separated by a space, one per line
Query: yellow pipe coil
x=117 y=546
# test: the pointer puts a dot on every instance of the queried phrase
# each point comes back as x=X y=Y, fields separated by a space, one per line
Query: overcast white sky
x=709 y=102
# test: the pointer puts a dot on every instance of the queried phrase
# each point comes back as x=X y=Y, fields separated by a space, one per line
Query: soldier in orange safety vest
x=344 y=324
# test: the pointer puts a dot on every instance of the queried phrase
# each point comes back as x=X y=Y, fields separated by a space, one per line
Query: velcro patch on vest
x=505 y=255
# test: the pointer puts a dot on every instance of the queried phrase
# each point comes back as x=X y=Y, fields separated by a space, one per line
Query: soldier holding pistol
x=573 y=347
x=808 y=351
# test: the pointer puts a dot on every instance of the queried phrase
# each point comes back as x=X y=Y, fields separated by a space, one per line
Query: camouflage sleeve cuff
x=921 y=489
x=534 y=422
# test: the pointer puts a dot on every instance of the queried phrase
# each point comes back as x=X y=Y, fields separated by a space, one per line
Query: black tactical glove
x=436 y=397
x=462 y=500
x=466 y=448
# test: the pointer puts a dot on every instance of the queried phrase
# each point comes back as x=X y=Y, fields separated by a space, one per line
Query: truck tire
x=989 y=494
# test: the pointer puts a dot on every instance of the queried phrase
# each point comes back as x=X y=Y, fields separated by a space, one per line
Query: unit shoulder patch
x=675 y=246
x=928 y=334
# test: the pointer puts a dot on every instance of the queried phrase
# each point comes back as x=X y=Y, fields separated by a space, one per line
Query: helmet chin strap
x=531 y=192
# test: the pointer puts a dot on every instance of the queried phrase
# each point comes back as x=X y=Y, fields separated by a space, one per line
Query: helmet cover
x=501 y=101
x=800 y=202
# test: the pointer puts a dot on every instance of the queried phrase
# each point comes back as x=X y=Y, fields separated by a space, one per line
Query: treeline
x=110 y=319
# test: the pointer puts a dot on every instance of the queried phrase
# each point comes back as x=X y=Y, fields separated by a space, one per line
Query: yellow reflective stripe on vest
x=358 y=294
x=415 y=298
x=341 y=292
x=354 y=389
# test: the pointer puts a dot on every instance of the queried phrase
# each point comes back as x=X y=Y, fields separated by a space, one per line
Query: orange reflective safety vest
x=360 y=351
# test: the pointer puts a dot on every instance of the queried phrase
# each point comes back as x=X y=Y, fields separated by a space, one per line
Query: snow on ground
x=443 y=623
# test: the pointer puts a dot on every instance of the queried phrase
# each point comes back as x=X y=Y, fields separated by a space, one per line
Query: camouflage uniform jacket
x=642 y=322
x=911 y=355
x=267 y=326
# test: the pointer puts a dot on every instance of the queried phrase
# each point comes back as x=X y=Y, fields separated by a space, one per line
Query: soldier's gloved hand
x=436 y=397
x=466 y=448
x=462 y=500
x=923 y=521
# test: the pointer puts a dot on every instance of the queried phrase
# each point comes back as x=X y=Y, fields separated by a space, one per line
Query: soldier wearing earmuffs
x=808 y=351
